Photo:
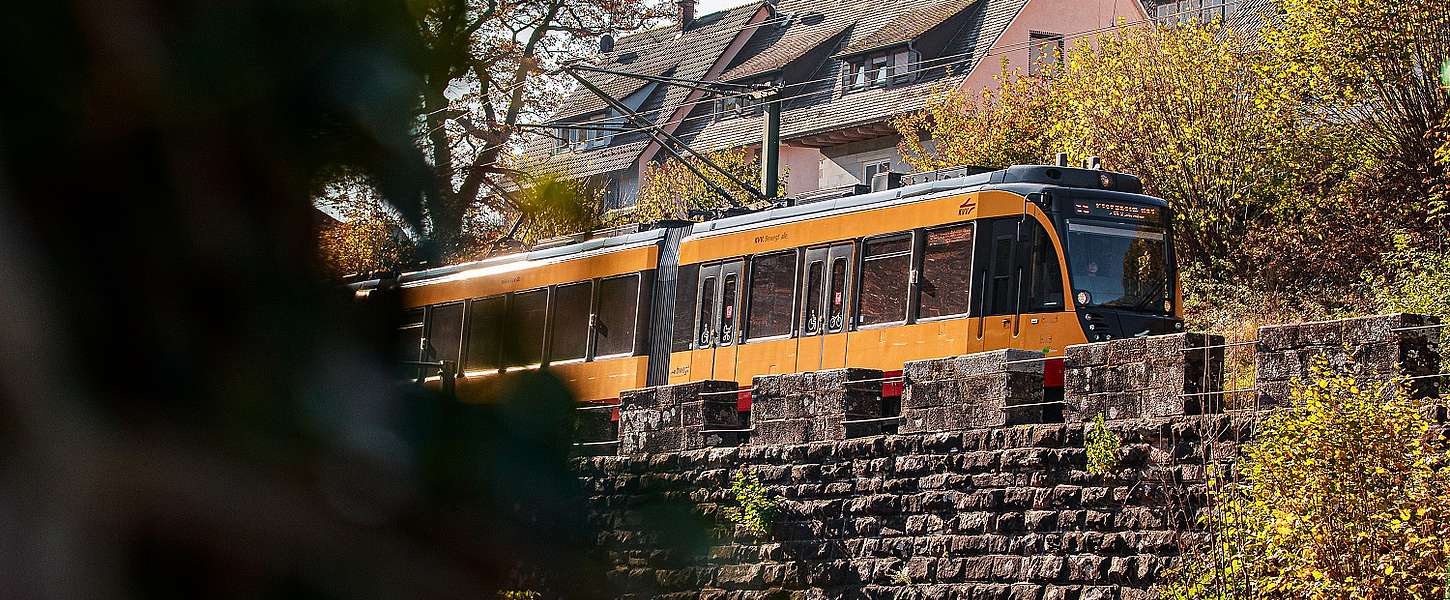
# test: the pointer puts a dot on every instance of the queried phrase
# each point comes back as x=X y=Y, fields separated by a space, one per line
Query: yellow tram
x=952 y=262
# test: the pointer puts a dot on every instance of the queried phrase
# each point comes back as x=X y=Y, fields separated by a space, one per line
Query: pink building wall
x=804 y=165
x=1074 y=19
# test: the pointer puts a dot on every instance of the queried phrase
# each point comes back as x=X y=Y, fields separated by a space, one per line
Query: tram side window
x=684 y=324
x=705 y=333
x=727 y=308
x=571 y=321
x=1002 y=292
x=410 y=339
x=838 y=295
x=484 y=337
x=1045 y=290
x=885 y=270
x=772 y=278
x=524 y=328
x=445 y=332
x=618 y=299
x=946 y=271
x=814 y=271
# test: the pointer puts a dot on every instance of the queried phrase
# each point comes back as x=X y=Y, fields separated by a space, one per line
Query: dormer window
x=590 y=132
x=879 y=69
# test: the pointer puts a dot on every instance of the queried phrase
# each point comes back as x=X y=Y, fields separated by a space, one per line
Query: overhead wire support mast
x=657 y=133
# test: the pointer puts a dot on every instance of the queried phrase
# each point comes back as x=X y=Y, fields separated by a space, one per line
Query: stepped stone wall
x=972 y=391
x=1377 y=346
x=1158 y=376
x=980 y=496
x=808 y=407
x=1008 y=513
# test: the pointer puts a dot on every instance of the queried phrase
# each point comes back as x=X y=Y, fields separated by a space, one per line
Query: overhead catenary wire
x=711 y=116
x=929 y=64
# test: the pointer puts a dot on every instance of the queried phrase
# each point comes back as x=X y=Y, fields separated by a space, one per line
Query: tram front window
x=1121 y=266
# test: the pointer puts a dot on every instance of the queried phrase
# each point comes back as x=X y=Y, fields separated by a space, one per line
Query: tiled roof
x=783 y=49
x=574 y=165
x=689 y=54
x=907 y=25
x=1251 y=17
x=664 y=50
x=815 y=102
x=820 y=106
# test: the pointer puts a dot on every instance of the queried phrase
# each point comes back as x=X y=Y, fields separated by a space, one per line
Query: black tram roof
x=1020 y=179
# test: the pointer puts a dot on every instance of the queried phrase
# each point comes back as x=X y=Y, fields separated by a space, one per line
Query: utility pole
x=770 y=146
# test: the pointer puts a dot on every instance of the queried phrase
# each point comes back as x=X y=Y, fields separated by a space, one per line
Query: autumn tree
x=367 y=236
x=491 y=67
x=1373 y=65
x=1182 y=107
x=672 y=191
x=1006 y=125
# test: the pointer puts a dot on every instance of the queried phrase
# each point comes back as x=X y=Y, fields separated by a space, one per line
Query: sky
x=705 y=7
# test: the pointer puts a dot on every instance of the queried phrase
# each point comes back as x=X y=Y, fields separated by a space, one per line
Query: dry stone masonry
x=808 y=407
x=670 y=418
x=1372 y=347
x=1158 y=376
x=972 y=391
x=979 y=496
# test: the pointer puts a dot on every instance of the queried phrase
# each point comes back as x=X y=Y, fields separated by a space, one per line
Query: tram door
x=995 y=283
x=717 y=326
x=823 y=318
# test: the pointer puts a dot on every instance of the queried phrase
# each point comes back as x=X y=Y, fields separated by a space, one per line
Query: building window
x=1045 y=53
x=879 y=69
x=885 y=271
x=872 y=169
x=590 y=132
x=735 y=105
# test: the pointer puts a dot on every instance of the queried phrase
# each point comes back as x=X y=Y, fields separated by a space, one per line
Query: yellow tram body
x=965 y=264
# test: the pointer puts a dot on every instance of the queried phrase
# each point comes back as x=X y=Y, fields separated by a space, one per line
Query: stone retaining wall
x=978 y=497
x=972 y=391
x=1007 y=513
x=1158 y=376
x=1372 y=347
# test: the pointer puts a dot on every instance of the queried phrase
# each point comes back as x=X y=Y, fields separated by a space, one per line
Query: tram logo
x=967 y=208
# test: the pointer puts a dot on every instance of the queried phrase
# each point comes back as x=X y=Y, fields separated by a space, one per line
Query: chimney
x=687 y=13
x=606 y=43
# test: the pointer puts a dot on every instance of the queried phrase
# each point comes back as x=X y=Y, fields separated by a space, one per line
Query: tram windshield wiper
x=1152 y=295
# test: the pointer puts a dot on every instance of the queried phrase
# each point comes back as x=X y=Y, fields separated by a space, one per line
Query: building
x=846 y=68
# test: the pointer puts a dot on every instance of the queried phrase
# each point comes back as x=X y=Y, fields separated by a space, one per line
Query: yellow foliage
x=671 y=191
x=1009 y=125
x=368 y=240
x=550 y=205
x=1344 y=495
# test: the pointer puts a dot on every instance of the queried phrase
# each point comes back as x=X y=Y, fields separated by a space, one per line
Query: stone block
x=971 y=391
x=669 y=418
x=1086 y=355
x=1372 y=348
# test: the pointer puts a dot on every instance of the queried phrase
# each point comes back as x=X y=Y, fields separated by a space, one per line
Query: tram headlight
x=1084 y=298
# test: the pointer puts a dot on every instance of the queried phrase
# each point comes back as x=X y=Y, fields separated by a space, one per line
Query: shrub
x=1343 y=495
x=1102 y=448
x=1415 y=280
x=756 y=509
